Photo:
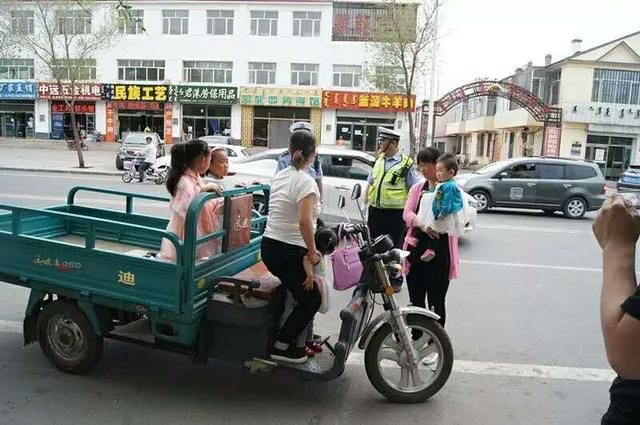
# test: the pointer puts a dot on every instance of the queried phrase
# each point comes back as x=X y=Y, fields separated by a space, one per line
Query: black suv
x=550 y=184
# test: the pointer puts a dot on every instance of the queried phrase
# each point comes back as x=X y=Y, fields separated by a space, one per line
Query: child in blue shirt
x=442 y=210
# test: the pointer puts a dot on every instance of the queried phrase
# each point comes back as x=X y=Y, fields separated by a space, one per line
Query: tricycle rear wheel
x=384 y=355
x=67 y=338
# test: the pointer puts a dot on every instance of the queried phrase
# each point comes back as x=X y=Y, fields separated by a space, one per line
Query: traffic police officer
x=284 y=160
x=392 y=176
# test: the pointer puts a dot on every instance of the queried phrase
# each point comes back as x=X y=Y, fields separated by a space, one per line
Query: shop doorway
x=139 y=121
x=19 y=125
x=271 y=125
x=206 y=120
x=361 y=133
x=612 y=154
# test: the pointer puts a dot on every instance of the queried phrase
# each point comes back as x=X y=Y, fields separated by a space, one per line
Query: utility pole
x=432 y=91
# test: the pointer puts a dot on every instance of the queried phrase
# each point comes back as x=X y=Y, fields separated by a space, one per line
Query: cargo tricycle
x=93 y=275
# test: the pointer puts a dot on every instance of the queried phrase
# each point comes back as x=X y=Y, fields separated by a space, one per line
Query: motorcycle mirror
x=356 y=192
x=341 y=202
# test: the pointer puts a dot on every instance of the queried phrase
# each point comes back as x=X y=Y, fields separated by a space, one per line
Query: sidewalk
x=54 y=157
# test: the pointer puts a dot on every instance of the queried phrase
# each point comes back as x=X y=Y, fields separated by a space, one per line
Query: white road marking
x=532 y=229
x=532 y=266
x=83 y=201
x=518 y=370
x=466 y=366
x=60 y=176
x=10 y=326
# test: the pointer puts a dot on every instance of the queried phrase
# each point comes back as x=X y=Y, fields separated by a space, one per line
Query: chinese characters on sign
x=79 y=108
x=126 y=278
x=292 y=98
x=168 y=122
x=135 y=92
x=552 y=141
x=68 y=91
x=17 y=90
x=203 y=94
x=110 y=135
x=374 y=101
x=136 y=106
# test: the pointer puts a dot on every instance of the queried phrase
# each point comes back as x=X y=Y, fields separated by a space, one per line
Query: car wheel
x=483 y=200
x=119 y=163
x=575 y=207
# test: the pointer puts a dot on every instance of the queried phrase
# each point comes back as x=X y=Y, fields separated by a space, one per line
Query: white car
x=342 y=169
x=234 y=152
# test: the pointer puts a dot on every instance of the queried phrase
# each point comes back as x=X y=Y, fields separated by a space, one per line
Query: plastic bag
x=323 y=277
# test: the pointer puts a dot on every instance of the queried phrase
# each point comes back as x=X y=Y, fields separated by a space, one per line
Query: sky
x=491 y=38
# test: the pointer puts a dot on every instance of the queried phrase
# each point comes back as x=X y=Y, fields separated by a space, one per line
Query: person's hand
x=308 y=282
x=212 y=187
x=314 y=257
x=617 y=224
x=430 y=232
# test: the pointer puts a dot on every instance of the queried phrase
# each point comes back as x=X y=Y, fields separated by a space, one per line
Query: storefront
x=351 y=119
x=206 y=110
x=137 y=107
x=64 y=98
x=267 y=114
x=17 y=109
x=612 y=154
x=61 y=128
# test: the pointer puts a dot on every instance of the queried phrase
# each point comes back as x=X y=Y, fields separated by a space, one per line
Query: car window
x=580 y=172
x=525 y=170
x=550 y=171
x=344 y=167
x=231 y=153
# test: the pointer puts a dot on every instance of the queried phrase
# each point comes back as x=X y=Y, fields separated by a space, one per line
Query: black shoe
x=290 y=355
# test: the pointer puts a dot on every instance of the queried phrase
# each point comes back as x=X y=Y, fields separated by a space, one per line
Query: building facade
x=599 y=92
x=247 y=69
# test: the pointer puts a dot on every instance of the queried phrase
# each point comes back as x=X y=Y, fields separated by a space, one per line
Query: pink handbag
x=347 y=267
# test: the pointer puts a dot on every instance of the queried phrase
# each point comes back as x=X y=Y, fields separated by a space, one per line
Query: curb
x=75 y=172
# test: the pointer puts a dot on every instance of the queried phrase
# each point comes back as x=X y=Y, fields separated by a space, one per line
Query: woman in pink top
x=430 y=280
x=188 y=162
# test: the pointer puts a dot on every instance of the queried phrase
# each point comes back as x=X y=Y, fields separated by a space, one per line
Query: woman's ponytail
x=302 y=145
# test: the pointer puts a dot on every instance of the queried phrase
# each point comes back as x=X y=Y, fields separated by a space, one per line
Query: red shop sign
x=79 y=108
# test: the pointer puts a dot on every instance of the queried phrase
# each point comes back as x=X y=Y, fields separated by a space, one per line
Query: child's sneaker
x=290 y=355
x=428 y=255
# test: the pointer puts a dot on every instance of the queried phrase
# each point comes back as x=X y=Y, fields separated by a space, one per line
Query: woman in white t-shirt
x=289 y=238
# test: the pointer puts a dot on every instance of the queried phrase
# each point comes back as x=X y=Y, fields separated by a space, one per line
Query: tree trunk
x=412 y=136
x=76 y=136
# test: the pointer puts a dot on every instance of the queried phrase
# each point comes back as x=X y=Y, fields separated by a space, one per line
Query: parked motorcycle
x=151 y=173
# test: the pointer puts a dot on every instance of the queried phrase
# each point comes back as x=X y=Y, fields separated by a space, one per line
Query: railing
x=129 y=197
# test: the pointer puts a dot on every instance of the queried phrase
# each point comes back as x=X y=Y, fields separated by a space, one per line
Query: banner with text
x=203 y=94
x=285 y=97
x=382 y=102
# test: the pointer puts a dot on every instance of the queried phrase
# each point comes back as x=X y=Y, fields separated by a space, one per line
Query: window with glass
x=304 y=74
x=526 y=170
x=16 y=69
x=347 y=75
x=345 y=167
x=74 y=69
x=262 y=73
x=616 y=86
x=74 y=22
x=306 y=24
x=537 y=87
x=140 y=70
x=480 y=145
x=554 y=88
x=389 y=78
x=550 y=171
x=22 y=21
x=131 y=21
x=220 y=22
x=207 y=72
x=175 y=22
x=264 y=23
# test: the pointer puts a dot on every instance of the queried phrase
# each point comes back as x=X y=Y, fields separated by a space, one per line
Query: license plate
x=631 y=179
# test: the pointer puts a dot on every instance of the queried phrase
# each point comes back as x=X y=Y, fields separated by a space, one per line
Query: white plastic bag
x=323 y=276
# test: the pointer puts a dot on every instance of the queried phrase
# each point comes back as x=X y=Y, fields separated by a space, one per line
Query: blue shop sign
x=17 y=90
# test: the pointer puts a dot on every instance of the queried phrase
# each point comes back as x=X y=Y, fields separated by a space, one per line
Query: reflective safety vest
x=389 y=189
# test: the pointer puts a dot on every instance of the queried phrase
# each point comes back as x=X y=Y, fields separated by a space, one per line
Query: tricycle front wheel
x=391 y=373
x=67 y=338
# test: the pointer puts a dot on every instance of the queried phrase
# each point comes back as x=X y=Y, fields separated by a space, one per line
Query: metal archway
x=550 y=116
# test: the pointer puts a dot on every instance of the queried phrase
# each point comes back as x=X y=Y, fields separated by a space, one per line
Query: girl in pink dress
x=188 y=162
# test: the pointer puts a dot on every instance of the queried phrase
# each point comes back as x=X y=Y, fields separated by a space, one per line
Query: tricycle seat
x=269 y=284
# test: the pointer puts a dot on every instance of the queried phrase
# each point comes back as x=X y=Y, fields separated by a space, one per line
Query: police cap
x=301 y=125
x=386 y=134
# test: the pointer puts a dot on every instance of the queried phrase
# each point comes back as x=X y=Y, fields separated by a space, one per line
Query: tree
x=63 y=37
x=401 y=45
